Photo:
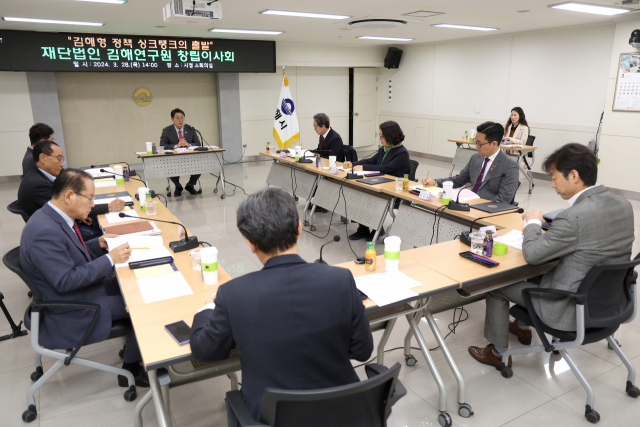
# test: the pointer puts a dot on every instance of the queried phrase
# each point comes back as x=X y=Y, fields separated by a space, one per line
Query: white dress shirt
x=489 y=163
x=48 y=175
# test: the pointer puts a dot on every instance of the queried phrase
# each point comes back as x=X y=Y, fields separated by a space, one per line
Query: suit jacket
x=36 y=189
x=519 y=136
x=396 y=163
x=53 y=258
x=598 y=228
x=498 y=189
x=295 y=326
x=27 y=161
x=169 y=137
x=332 y=142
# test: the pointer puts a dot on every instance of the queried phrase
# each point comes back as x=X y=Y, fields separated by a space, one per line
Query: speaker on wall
x=393 y=58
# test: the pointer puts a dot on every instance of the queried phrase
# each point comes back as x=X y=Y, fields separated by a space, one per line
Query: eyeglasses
x=480 y=145
x=91 y=199
x=60 y=158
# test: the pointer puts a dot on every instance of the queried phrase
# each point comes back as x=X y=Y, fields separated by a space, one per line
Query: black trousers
x=193 y=180
x=119 y=312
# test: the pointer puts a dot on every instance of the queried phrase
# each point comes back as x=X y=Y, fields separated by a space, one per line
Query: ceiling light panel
x=51 y=21
x=106 y=1
x=465 y=27
x=590 y=8
x=304 y=14
x=231 y=30
x=398 y=39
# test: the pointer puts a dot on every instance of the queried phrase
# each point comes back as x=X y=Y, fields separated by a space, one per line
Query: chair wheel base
x=445 y=420
x=465 y=410
x=30 y=414
x=215 y=190
x=410 y=360
x=632 y=390
x=312 y=228
x=121 y=353
x=37 y=374
x=222 y=197
x=131 y=394
x=592 y=416
x=305 y=223
x=506 y=372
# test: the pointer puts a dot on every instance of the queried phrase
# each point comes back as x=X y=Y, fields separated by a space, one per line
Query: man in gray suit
x=485 y=168
x=596 y=228
x=180 y=135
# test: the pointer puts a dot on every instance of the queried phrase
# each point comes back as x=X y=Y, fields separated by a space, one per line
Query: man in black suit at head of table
x=295 y=325
x=180 y=135
x=38 y=132
x=330 y=143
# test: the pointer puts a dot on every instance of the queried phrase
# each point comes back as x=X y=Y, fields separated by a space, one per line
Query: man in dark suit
x=294 y=325
x=180 y=135
x=488 y=163
x=64 y=268
x=330 y=143
x=38 y=132
x=36 y=186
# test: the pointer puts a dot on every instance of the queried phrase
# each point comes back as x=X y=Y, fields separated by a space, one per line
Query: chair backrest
x=529 y=142
x=12 y=260
x=513 y=200
x=363 y=404
x=350 y=154
x=607 y=288
x=413 y=167
x=15 y=208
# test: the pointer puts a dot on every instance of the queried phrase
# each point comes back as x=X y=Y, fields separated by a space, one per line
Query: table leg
x=222 y=182
x=525 y=172
x=383 y=340
x=384 y=215
x=306 y=206
x=146 y=184
x=142 y=402
x=164 y=419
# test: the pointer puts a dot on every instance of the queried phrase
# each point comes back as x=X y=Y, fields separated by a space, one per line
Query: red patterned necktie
x=180 y=133
x=321 y=141
x=77 y=230
x=479 y=180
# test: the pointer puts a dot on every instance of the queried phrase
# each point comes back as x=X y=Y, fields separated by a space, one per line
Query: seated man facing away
x=295 y=325
x=597 y=227
x=485 y=167
x=64 y=268
x=38 y=132
x=36 y=186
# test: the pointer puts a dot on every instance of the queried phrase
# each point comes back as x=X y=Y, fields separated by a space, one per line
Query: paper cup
x=392 y=253
x=209 y=265
x=118 y=173
x=447 y=192
x=499 y=248
x=149 y=147
x=332 y=161
x=142 y=195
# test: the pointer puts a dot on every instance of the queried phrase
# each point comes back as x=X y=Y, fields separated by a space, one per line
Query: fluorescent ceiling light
x=107 y=1
x=304 y=14
x=398 y=39
x=465 y=27
x=51 y=21
x=589 y=8
x=228 y=30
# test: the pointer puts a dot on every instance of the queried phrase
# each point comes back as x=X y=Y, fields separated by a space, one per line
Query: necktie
x=479 y=180
x=77 y=230
x=180 y=134
x=321 y=141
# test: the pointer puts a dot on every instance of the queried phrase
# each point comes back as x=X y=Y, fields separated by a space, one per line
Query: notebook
x=132 y=227
x=493 y=207
x=374 y=181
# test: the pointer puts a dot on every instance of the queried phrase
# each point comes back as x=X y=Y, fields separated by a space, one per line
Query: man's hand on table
x=120 y=254
x=116 y=206
x=529 y=215
x=211 y=299
x=428 y=182
x=182 y=144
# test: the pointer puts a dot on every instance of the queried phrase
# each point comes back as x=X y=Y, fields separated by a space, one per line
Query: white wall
x=557 y=77
x=15 y=107
x=314 y=90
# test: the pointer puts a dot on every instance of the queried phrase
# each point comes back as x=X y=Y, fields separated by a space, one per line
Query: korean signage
x=37 y=51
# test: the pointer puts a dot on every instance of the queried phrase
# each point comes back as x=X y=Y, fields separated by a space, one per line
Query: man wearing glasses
x=36 y=186
x=490 y=162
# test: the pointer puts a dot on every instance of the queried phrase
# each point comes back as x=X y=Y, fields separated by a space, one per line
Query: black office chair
x=350 y=154
x=413 y=167
x=32 y=322
x=532 y=154
x=605 y=299
x=364 y=404
x=15 y=208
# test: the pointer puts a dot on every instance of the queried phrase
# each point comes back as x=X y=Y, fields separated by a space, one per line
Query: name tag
x=181 y=150
x=425 y=195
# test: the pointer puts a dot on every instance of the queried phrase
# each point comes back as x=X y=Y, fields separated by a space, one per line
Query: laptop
x=493 y=207
x=374 y=181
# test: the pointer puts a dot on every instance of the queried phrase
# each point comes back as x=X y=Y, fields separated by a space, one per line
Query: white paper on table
x=95 y=172
x=192 y=147
x=163 y=287
x=108 y=200
x=134 y=241
x=387 y=288
x=110 y=183
x=142 y=152
x=513 y=238
x=146 y=254
x=366 y=172
x=465 y=196
x=114 y=217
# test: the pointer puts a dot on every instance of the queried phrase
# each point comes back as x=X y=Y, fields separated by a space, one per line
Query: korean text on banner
x=286 y=130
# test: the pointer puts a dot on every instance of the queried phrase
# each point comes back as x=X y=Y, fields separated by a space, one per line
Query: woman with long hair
x=516 y=130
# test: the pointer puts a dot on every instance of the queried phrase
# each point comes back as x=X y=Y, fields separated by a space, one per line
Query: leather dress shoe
x=361 y=233
x=190 y=189
x=524 y=335
x=486 y=356
x=178 y=191
x=141 y=377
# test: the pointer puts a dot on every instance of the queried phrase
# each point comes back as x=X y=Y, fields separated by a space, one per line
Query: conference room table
x=463 y=154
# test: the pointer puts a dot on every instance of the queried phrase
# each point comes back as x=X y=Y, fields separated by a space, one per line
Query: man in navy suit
x=330 y=143
x=294 y=325
x=64 y=268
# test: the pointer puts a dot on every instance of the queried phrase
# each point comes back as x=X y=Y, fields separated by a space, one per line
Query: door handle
x=355 y=114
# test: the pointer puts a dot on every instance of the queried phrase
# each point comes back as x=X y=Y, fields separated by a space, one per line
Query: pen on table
x=484 y=259
x=139 y=248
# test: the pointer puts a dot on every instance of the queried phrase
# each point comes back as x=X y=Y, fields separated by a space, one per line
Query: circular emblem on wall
x=287 y=106
x=142 y=97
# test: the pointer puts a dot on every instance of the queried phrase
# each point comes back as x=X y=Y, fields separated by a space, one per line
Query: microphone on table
x=185 y=244
x=202 y=147
x=132 y=172
x=457 y=206
x=336 y=238
x=137 y=179
x=464 y=236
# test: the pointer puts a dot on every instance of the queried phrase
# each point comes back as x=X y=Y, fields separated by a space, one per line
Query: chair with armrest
x=32 y=322
x=364 y=404
x=531 y=154
x=15 y=208
x=413 y=167
x=605 y=299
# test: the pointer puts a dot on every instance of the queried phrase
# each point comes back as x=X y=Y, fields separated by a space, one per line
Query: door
x=365 y=107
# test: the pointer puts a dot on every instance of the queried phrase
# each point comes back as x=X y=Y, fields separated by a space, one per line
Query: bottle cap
x=489 y=232
x=406 y=175
x=371 y=245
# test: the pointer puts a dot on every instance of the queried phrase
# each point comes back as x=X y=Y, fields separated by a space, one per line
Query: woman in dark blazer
x=391 y=159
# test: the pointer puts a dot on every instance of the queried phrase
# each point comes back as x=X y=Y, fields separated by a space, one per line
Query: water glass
x=195 y=259
x=477 y=242
x=399 y=182
x=150 y=207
